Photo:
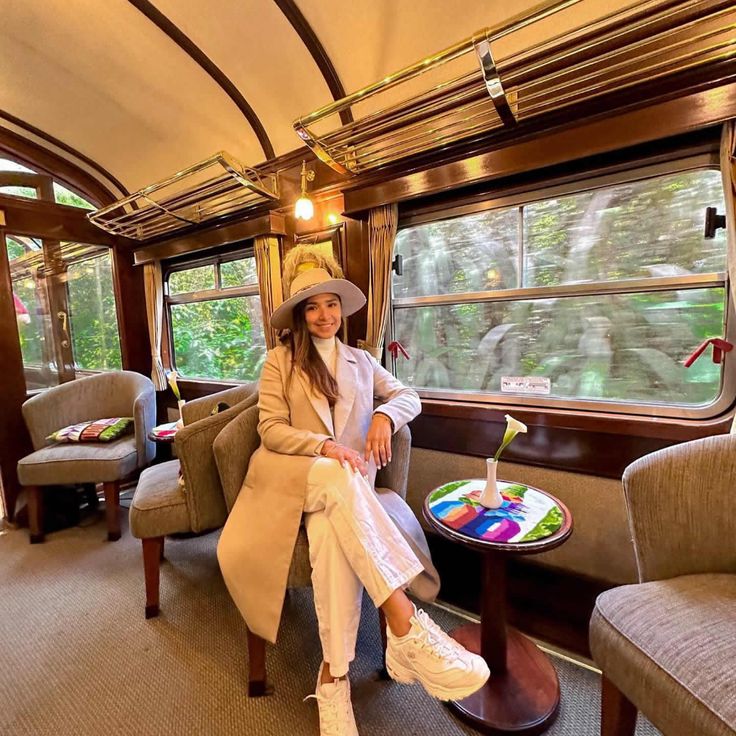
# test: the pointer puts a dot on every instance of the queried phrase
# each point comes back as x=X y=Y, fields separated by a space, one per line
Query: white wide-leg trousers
x=353 y=543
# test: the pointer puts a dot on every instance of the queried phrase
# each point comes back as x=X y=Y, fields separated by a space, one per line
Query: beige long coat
x=258 y=540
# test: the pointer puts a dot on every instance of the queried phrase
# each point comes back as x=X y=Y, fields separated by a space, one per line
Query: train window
x=65 y=309
x=589 y=299
x=94 y=327
x=216 y=320
x=62 y=195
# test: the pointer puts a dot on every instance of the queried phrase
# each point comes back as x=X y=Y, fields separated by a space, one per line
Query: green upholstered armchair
x=114 y=394
x=667 y=645
x=165 y=503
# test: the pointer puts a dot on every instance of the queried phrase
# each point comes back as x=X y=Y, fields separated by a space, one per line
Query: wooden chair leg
x=152 y=551
x=618 y=713
x=383 y=672
x=35 y=513
x=112 y=509
x=257 y=666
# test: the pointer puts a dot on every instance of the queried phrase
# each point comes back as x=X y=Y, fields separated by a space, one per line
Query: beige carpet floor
x=79 y=658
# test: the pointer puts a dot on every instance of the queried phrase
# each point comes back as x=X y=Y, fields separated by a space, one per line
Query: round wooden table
x=522 y=695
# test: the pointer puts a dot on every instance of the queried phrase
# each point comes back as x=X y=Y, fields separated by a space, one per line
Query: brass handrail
x=185 y=198
x=572 y=67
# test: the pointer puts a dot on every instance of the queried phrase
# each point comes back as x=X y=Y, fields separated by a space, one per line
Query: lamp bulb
x=304 y=209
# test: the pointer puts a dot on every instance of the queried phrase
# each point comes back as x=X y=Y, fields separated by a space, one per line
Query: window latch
x=713 y=222
x=720 y=346
x=397 y=266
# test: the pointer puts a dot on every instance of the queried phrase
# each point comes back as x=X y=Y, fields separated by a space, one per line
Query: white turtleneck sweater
x=327 y=349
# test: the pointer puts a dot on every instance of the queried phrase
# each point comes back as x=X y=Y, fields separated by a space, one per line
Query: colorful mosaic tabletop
x=526 y=514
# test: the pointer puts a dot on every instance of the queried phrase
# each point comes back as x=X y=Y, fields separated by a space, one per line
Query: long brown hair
x=306 y=357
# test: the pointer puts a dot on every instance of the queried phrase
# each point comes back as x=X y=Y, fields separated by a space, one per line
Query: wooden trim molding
x=40 y=159
x=53 y=221
x=309 y=38
x=272 y=223
x=584 y=442
x=535 y=150
x=187 y=45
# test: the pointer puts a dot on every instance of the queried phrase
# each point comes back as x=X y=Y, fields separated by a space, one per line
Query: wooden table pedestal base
x=523 y=700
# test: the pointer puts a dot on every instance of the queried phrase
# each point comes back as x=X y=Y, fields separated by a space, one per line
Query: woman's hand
x=343 y=454
x=378 y=440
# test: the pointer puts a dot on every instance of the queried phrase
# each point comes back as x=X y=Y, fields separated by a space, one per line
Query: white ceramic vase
x=491 y=497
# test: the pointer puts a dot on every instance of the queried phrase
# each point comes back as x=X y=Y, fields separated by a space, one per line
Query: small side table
x=163 y=435
x=522 y=695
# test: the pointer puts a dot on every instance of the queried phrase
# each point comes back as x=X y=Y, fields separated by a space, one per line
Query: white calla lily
x=173 y=375
x=513 y=427
x=514 y=424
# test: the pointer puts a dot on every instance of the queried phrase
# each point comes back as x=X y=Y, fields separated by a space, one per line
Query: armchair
x=233 y=448
x=119 y=393
x=667 y=645
x=165 y=504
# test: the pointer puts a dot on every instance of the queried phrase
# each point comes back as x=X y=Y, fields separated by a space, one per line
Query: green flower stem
x=509 y=435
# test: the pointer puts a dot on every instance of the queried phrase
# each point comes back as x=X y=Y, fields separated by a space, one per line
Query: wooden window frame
x=194 y=387
x=526 y=194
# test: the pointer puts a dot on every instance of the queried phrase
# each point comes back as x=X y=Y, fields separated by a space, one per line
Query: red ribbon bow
x=395 y=348
x=720 y=346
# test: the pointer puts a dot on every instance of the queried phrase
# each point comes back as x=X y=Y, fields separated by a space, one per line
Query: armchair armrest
x=144 y=417
x=194 y=447
x=395 y=475
x=681 y=508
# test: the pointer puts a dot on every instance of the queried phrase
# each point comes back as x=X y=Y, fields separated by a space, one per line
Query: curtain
x=268 y=267
x=155 y=312
x=382 y=224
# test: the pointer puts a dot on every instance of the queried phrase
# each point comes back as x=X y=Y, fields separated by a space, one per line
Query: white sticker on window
x=526 y=385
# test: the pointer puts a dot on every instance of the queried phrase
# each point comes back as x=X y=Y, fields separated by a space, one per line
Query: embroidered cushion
x=96 y=430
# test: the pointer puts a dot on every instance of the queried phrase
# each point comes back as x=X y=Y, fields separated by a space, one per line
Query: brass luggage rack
x=217 y=186
x=476 y=93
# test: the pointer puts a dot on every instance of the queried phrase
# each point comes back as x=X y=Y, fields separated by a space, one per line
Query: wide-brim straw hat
x=317 y=281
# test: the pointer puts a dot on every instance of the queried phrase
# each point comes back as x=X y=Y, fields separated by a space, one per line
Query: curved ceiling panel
x=105 y=80
x=393 y=35
x=254 y=44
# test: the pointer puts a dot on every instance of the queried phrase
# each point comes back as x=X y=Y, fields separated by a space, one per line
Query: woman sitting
x=321 y=444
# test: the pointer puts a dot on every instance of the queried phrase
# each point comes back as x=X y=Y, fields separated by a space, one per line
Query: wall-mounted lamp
x=304 y=209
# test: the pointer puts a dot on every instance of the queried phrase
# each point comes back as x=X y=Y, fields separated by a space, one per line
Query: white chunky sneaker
x=335 y=709
x=428 y=655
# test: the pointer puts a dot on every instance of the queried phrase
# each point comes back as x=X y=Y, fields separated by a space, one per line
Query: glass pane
x=7 y=165
x=63 y=195
x=238 y=273
x=623 y=347
x=472 y=253
x=29 y=192
x=221 y=338
x=29 y=317
x=31 y=313
x=94 y=326
x=193 y=279
x=650 y=228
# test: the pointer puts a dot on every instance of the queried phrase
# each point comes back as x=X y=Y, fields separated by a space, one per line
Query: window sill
x=584 y=442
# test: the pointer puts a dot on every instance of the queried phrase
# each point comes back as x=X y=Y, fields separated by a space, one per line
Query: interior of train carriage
x=538 y=202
